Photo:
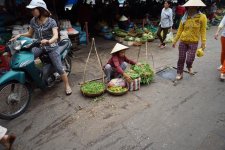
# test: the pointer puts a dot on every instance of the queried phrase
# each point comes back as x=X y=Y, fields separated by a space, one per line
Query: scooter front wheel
x=15 y=98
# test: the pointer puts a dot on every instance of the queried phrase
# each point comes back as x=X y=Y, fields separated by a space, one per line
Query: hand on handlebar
x=44 y=42
x=15 y=37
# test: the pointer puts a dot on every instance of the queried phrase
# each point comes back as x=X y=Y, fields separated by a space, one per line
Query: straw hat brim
x=194 y=3
x=123 y=18
x=118 y=47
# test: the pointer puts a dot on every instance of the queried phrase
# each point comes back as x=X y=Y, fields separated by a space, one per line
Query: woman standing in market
x=166 y=23
x=45 y=29
x=192 y=28
x=222 y=59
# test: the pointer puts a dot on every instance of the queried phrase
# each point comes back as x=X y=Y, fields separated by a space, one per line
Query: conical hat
x=118 y=47
x=194 y=3
x=123 y=18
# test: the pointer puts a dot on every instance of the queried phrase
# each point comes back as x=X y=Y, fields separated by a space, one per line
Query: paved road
x=161 y=116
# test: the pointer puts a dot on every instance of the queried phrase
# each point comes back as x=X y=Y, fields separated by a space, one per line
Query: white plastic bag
x=117 y=82
x=169 y=37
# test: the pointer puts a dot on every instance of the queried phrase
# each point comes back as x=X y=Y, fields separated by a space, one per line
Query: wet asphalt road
x=161 y=116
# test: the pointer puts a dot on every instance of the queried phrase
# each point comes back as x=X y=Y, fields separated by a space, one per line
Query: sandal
x=190 y=71
x=179 y=77
x=12 y=138
x=222 y=76
x=68 y=91
x=219 y=68
x=8 y=141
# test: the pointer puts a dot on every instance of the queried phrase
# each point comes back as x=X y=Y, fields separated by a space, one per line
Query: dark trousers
x=177 y=21
x=165 y=32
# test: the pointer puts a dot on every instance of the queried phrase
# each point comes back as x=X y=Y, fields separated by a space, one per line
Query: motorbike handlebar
x=35 y=44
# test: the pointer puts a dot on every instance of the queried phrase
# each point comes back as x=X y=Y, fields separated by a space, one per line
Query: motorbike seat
x=63 y=44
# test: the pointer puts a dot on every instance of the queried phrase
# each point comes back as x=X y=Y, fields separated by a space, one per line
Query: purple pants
x=186 y=52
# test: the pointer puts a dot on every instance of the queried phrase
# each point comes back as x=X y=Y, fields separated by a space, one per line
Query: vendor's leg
x=123 y=65
x=57 y=63
x=159 y=34
x=108 y=72
x=182 y=57
x=192 y=48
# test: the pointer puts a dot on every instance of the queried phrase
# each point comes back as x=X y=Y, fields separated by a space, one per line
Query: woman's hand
x=127 y=78
x=174 y=45
x=44 y=42
x=15 y=37
x=203 y=46
x=216 y=36
x=138 y=64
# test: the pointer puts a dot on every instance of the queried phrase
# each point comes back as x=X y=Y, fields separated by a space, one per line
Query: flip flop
x=179 y=77
x=12 y=138
x=68 y=91
x=190 y=71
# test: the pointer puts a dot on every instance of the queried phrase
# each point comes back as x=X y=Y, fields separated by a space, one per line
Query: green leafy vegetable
x=145 y=72
x=132 y=74
x=93 y=87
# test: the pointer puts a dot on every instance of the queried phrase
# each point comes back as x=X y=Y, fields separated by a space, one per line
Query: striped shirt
x=44 y=31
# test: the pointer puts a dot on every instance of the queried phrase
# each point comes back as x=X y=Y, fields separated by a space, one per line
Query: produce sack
x=117 y=82
x=134 y=85
x=169 y=37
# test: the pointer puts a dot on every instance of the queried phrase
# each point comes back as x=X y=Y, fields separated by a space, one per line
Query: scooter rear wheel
x=15 y=98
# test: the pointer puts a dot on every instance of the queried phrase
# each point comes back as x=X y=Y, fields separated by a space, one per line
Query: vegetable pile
x=145 y=72
x=117 y=89
x=132 y=74
x=120 y=33
x=93 y=87
x=129 y=38
x=137 y=35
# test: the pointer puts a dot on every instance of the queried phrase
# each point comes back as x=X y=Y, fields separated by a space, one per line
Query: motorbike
x=16 y=85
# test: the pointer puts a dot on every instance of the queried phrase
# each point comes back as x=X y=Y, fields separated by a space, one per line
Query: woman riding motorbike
x=45 y=29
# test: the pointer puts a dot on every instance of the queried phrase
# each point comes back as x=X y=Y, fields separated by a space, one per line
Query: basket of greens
x=93 y=89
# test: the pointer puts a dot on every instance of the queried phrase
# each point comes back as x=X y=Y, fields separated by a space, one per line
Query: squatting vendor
x=118 y=63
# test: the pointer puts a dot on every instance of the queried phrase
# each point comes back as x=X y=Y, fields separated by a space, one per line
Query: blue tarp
x=71 y=2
